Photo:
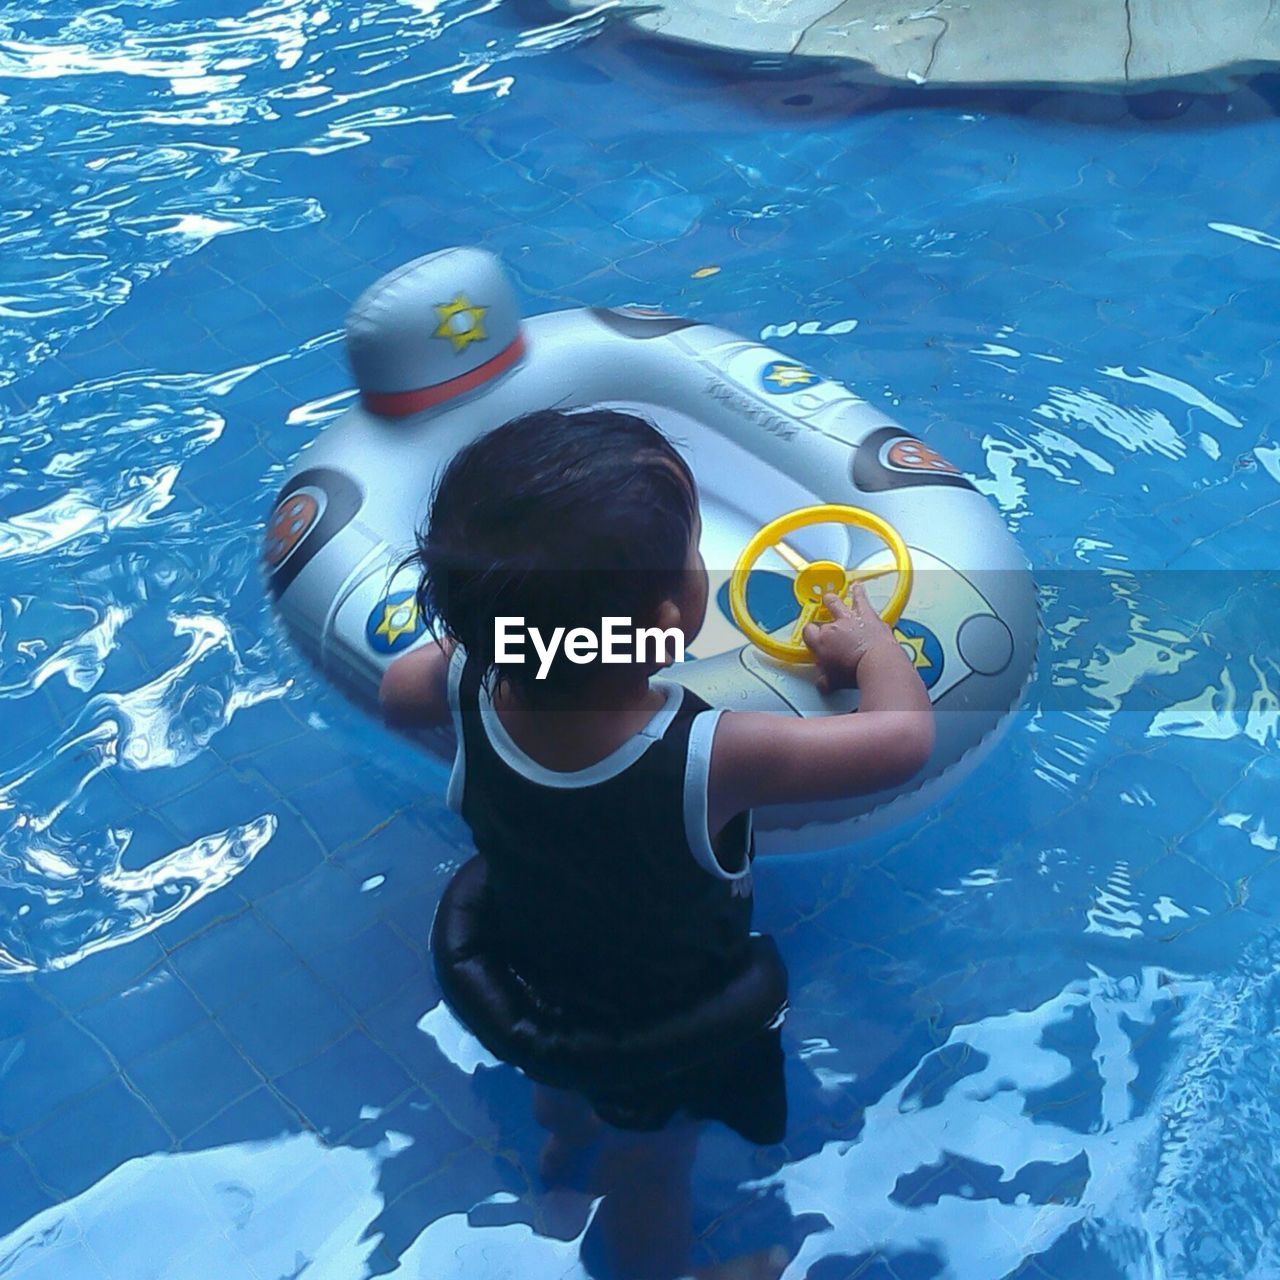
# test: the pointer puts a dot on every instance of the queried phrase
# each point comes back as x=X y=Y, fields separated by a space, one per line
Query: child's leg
x=643 y=1229
x=571 y=1127
x=766 y=1264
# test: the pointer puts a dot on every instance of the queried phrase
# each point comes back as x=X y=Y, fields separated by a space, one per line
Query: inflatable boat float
x=803 y=486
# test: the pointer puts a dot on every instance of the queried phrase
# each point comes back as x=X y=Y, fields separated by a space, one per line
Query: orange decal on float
x=889 y=458
x=906 y=454
x=290 y=523
x=313 y=508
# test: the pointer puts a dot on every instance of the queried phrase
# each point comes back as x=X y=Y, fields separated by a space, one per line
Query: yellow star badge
x=790 y=375
x=914 y=646
x=397 y=620
x=460 y=322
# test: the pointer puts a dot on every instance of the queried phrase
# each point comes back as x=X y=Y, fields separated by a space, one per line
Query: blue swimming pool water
x=1034 y=1033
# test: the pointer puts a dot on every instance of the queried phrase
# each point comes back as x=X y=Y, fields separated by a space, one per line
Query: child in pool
x=612 y=808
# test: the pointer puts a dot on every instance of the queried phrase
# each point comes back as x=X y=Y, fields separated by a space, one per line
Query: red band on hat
x=400 y=404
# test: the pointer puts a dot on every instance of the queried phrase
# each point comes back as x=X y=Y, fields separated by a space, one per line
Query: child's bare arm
x=415 y=688
x=761 y=759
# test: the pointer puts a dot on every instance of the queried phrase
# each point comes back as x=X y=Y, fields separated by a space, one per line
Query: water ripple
x=79 y=899
x=67 y=891
x=193 y=195
x=974 y=1179
x=105 y=188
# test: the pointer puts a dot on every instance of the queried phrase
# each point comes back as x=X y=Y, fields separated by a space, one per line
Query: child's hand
x=840 y=645
x=777 y=759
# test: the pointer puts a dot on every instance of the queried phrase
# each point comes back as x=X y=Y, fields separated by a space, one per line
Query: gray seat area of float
x=1109 y=45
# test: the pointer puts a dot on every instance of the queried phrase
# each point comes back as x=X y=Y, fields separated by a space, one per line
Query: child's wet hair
x=561 y=518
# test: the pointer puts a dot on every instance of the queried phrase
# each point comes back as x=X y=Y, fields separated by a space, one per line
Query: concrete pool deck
x=1108 y=45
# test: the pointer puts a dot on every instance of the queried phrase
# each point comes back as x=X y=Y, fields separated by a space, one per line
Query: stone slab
x=1117 y=45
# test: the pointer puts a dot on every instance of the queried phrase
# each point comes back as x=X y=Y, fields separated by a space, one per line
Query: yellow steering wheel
x=816 y=578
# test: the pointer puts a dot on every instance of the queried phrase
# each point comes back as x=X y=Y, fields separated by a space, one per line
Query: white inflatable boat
x=441 y=355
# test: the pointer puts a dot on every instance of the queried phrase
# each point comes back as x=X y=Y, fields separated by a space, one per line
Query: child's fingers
x=823 y=684
x=812 y=635
x=861 y=600
x=837 y=607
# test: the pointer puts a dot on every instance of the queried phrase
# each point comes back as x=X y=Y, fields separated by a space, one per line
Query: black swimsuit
x=607 y=896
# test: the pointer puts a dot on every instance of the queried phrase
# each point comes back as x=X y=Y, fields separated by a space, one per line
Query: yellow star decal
x=790 y=375
x=397 y=620
x=914 y=645
x=460 y=322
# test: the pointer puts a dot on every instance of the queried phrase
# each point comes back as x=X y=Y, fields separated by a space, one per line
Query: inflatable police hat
x=436 y=328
